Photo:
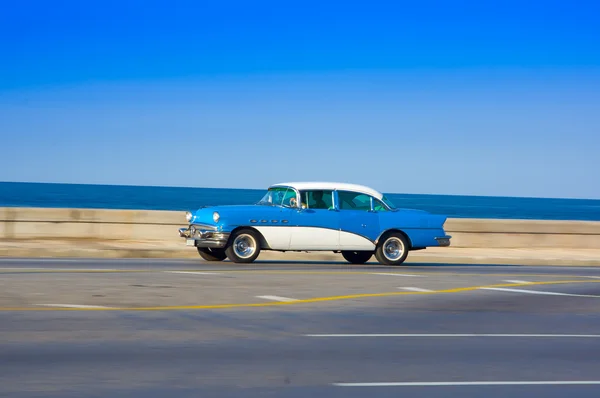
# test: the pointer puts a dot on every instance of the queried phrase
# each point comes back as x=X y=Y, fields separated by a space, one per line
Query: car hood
x=204 y=215
x=230 y=208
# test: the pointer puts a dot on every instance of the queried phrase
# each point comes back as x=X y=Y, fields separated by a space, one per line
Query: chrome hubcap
x=393 y=249
x=244 y=246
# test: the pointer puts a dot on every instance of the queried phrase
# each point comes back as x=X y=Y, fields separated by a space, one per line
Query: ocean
x=181 y=198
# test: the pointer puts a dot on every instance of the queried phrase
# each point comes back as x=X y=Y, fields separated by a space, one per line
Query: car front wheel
x=392 y=249
x=243 y=246
x=357 y=257
x=212 y=254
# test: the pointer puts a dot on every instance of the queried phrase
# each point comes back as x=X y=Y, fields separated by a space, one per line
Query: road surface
x=166 y=328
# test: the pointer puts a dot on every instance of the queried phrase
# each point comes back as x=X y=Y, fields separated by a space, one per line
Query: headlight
x=216 y=217
x=188 y=216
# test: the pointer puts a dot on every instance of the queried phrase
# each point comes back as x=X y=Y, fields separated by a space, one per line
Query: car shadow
x=372 y=265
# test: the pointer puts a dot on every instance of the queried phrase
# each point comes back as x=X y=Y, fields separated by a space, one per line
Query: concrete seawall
x=31 y=231
x=488 y=233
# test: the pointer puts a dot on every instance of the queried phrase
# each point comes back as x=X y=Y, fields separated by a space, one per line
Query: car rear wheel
x=392 y=249
x=243 y=246
x=357 y=257
x=212 y=254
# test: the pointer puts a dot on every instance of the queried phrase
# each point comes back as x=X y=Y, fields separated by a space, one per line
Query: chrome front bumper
x=201 y=236
x=443 y=240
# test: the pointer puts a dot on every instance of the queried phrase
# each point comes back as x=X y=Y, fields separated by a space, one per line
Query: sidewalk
x=167 y=249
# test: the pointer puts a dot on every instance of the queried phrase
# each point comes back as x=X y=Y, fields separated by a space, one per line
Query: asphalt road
x=155 y=328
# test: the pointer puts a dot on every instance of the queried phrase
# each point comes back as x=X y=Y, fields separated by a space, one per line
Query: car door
x=359 y=225
x=316 y=226
x=276 y=223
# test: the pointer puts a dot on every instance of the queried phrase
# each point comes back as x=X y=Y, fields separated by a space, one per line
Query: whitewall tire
x=243 y=246
x=392 y=249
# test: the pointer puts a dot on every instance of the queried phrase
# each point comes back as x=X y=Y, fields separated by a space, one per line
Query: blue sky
x=475 y=98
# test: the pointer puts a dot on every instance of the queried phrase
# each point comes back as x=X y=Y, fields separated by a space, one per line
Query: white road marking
x=415 y=289
x=192 y=272
x=515 y=281
x=394 y=274
x=457 y=335
x=47 y=260
x=276 y=298
x=73 y=305
x=537 y=292
x=466 y=383
x=55 y=269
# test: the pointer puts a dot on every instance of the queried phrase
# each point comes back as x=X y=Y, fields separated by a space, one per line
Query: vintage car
x=350 y=219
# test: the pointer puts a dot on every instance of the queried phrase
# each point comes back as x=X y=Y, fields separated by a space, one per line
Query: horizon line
x=264 y=188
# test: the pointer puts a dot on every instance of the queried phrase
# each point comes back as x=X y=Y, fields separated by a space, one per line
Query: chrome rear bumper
x=201 y=236
x=443 y=241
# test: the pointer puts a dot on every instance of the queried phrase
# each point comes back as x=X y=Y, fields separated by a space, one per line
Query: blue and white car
x=354 y=220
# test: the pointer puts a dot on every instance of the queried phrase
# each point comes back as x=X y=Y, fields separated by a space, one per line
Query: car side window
x=378 y=205
x=282 y=197
x=289 y=198
x=354 y=201
x=317 y=199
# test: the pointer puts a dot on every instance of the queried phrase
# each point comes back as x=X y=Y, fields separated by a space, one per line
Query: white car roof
x=342 y=186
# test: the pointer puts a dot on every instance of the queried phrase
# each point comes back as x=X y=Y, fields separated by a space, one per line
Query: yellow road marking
x=304 y=301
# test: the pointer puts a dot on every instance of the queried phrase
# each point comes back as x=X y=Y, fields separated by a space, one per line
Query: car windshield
x=388 y=202
x=279 y=196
